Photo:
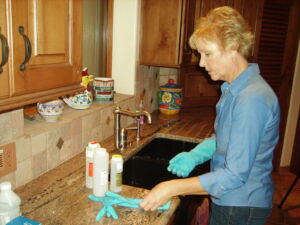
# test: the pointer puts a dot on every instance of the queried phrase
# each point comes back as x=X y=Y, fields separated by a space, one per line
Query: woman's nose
x=201 y=62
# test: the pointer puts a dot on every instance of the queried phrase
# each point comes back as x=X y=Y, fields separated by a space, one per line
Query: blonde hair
x=225 y=26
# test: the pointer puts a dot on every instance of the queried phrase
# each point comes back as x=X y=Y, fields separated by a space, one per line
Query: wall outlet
x=7 y=159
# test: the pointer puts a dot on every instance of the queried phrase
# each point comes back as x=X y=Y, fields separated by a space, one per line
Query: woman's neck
x=239 y=65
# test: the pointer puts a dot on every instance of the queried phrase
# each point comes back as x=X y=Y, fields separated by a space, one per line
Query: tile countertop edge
x=60 y=196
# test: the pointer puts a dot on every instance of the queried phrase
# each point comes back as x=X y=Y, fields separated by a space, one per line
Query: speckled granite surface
x=59 y=197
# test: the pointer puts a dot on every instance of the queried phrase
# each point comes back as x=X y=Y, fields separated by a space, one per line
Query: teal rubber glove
x=107 y=208
x=183 y=163
x=112 y=198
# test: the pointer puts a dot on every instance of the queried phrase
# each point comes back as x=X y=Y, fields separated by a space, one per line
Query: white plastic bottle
x=100 y=178
x=116 y=170
x=89 y=152
x=9 y=203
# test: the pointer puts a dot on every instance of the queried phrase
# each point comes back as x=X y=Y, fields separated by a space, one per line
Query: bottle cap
x=93 y=144
x=4 y=186
x=117 y=156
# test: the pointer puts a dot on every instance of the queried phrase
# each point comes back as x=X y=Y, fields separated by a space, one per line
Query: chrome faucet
x=121 y=133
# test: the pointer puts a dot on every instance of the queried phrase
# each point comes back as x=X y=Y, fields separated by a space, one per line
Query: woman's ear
x=234 y=46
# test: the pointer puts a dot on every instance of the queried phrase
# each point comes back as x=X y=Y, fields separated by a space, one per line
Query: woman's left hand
x=158 y=196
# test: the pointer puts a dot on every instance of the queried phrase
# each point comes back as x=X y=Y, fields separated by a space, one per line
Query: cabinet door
x=54 y=29
x=4 y=76
x=160 y=32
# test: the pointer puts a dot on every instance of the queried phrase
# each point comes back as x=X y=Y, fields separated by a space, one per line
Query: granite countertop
x=59 y=197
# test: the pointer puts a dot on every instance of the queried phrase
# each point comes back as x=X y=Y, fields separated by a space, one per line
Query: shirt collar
x=241 y=81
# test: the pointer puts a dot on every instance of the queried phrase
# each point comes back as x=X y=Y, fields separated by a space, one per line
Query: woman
x=246 y=129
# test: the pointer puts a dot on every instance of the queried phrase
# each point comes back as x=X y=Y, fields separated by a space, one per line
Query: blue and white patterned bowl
x=80 y=101
x=52 y=110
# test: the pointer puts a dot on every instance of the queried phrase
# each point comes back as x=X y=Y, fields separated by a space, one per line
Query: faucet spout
x=118 y=112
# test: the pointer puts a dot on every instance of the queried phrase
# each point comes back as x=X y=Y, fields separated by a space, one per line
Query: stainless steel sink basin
x=149 y=166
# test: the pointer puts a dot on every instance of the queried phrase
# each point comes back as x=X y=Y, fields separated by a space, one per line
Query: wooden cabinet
x=4 y=78
x=45 y=50
x=165 y=27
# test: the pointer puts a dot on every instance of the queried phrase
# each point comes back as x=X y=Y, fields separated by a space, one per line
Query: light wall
x=292 y=116
x=125 y=45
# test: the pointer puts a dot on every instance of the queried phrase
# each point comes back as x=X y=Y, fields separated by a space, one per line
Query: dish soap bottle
x=9 y=203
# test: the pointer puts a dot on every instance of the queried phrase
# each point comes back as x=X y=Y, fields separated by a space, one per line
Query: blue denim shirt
x=246 y=131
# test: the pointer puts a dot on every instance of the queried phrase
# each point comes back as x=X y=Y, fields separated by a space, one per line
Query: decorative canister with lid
x=170 y=98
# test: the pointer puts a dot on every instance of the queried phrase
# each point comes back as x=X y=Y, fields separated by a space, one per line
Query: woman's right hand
x=158 y=196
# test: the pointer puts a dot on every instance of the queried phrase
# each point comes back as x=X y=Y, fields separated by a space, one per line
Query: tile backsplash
x=41 y=146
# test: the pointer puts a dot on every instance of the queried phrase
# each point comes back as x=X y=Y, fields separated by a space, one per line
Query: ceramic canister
x=170 y=98
x=103 y=89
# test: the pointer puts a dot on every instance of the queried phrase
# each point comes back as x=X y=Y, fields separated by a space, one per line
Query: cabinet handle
x=5 y=51
x=27 y=48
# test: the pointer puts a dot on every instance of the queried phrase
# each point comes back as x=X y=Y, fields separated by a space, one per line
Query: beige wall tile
x=39 y=163
x=107 y=115
x=39 y=143
x=66 y=131
x=17 y=119
x=23 y=148
x=6 y=134
x=76 y=126
x=66 y=151
x=91 y=120
x=86 y=136
x=24 y=172
x=11 y=177
x=76 y=144
x=53 y=156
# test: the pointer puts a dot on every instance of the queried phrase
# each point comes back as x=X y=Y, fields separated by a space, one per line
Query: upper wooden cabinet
x=4 y=78
x=45 y=50
x=164 y=31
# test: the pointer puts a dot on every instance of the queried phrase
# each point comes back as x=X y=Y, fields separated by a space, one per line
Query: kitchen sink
x=149 y=166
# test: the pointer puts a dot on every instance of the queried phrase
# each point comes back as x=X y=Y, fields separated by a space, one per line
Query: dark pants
x=228 y=215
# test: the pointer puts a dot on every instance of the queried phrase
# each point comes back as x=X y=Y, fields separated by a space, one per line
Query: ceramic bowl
x=52 y=110
x=80 y=101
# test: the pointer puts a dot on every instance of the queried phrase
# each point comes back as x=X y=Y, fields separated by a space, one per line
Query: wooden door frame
x=109 y=36
x=288 y=71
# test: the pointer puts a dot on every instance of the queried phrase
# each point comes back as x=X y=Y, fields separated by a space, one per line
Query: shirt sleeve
x=249 y=116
